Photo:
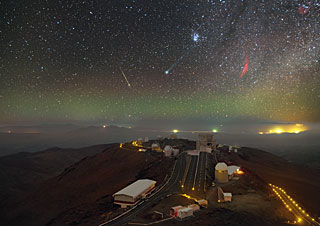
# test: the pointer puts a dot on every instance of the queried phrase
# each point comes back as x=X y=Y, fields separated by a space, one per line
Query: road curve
x=173 y=186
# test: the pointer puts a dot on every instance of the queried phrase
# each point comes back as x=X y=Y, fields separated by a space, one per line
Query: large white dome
x=221 y=166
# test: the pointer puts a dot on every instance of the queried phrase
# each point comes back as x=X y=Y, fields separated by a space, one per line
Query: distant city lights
x=297 y=128
x=175 y=131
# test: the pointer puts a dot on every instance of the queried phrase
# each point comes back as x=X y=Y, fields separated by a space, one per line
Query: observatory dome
x=221 y=166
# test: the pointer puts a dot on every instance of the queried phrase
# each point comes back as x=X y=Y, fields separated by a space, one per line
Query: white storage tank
x=167 y=151
x=221 y=173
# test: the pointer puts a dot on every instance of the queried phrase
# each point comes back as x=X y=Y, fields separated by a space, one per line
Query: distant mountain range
x=303 y=148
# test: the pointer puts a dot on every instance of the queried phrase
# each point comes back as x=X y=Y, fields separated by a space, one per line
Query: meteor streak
x=125 y=77
x=245 y=68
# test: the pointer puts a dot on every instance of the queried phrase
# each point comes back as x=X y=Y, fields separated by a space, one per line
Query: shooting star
x=245 y=68
x=125 y=77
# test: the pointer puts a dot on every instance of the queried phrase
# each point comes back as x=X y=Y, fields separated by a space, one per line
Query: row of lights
x=135 y=143
x=293 y=202
x=189 y=197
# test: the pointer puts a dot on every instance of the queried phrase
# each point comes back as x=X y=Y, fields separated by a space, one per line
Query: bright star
x=195 y=37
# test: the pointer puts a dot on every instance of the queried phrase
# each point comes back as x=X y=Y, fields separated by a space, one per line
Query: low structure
x=219 y=146
x=156 y=147
x=202 y=203
x=168 y=151
x=174 y=210
x=131 y=194
x=232 y=171
x=194 y=207
x=175 y=151
x=227 y=197
x=221 y=173
x=224 y=196
x=185 y=212
x=173 y=136
x=139 y=141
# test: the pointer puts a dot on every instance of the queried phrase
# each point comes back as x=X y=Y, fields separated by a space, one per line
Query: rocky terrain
x=82 y=192
x=75 y=186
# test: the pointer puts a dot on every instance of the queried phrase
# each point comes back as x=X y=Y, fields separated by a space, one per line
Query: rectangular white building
x=131 y=194
x=185 y=212
x=227 y=197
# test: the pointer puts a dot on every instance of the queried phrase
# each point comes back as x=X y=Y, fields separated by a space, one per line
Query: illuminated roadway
x=195 y=180
x=188 y=184
x=173 y=186
x=302 y=217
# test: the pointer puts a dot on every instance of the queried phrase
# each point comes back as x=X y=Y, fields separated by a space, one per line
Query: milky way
x=60 y=60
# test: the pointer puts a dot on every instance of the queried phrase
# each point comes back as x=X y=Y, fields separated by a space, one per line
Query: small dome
x=221 y=166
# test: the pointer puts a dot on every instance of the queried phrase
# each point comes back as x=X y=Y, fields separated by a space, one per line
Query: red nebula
x=303 y=10
x=245 y=68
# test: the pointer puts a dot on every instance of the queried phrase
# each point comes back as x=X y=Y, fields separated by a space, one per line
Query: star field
x=62 y=60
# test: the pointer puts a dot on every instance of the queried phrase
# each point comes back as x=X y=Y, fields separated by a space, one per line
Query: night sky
x=148 y=60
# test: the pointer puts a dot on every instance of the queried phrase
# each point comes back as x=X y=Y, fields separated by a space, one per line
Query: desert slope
x=302 y=183
x=83 y=191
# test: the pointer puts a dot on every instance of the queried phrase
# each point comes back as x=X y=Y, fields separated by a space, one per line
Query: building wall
x=167 y=153
x=221 y=176
x=124 y=198
x=182 y=213
x=205 y=141
x=227 y=198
